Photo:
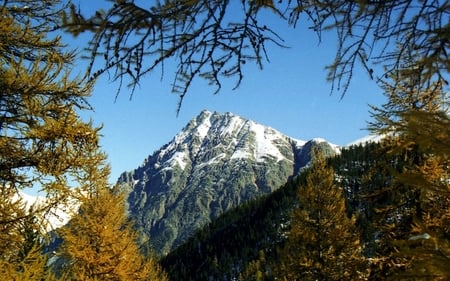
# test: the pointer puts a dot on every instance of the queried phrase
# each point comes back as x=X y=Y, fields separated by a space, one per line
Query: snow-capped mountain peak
x=240 y=138
x=216 y=162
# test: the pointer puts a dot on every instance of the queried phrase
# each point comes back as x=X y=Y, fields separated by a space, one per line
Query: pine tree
x=323 y=243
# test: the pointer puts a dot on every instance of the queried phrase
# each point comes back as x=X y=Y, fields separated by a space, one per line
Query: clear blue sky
x=290 y=94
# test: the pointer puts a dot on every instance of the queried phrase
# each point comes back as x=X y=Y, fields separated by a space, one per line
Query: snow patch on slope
x=368 y=138
x=178 y=149
x=235 y=125
x=265 y=147
x=335 y=147
x=240 y=154
x=203 y=128
x=179 y=158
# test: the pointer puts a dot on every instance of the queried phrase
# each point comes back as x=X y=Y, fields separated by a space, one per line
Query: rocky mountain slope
x=217 y=162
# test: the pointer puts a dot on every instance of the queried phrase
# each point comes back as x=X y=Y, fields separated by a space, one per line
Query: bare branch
x=212 y=40
x=202 y=36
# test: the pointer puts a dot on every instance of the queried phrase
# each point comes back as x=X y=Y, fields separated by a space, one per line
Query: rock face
x=215 y=163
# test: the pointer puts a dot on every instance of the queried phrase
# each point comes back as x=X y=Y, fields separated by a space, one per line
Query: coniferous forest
x=253 y=241
x=375 y=211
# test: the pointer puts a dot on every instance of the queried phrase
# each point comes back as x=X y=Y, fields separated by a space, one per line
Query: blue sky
x=290 y=94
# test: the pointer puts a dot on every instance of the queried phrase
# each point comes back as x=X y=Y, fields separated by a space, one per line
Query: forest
x=377 y=211
x=377 y=238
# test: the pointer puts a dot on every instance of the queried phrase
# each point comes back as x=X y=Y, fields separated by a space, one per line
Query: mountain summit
x=215 y=163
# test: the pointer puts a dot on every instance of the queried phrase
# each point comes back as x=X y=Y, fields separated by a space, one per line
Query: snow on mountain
x=336 y=148
x=56 y=216
x=266 y=144
x=365 y=139
x=266 y=140
x=207 y=126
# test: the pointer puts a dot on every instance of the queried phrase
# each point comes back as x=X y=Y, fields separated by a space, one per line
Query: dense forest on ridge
x=247 y=239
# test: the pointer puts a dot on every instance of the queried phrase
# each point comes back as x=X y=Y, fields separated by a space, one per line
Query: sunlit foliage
x=415 y=122
x=43 y=141
x=100 y=243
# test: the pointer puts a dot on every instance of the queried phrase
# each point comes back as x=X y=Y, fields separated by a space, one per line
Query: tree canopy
x=414 y=122
x=47 y=146
x=214 y=39
x=44 y=144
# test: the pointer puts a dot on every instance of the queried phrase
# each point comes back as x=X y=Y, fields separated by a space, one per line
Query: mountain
x=214 y=164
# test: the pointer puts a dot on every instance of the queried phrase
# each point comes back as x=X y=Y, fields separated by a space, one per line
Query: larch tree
x=21 y=248
x=406 y=93
x=415 y=122
x=99 y=243
x=323 y=242
x=42 y=138
x=213 y=40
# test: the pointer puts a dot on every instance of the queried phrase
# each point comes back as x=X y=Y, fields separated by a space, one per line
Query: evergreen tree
x=323 y=243
x=256 y=270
